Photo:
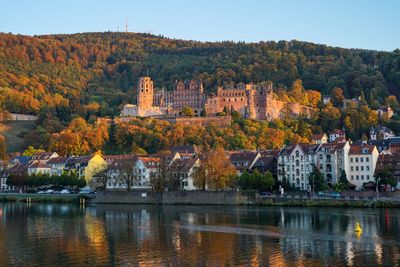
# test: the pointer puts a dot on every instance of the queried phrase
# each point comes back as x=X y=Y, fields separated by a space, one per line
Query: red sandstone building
x=254 y=101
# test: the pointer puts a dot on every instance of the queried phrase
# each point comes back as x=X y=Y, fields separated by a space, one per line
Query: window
x=362 y=159
x=352 y=169
x=367 y=168
x=356 y=159
x=351 y=159
x=352 y=177
x=366 y=159
x=357 y=177
x=356 y=168
x=297 y=163
x=362 y=177
x=297 y=154
x=362 y=168
x=367 y=177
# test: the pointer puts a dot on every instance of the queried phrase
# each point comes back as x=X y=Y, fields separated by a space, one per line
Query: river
x=145 y=235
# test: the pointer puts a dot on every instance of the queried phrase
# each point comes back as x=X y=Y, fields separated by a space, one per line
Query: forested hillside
x=95 y=72
x=89 y=75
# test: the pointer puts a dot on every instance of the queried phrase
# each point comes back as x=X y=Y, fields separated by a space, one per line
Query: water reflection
x=104 y=235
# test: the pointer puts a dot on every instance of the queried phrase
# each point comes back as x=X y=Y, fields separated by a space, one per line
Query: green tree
x=316 y=180
x=386 y=177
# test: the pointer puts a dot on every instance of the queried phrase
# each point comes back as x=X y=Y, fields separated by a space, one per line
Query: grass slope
x=14 y=133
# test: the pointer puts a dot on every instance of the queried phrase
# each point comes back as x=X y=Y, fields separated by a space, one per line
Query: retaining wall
x=172 y=198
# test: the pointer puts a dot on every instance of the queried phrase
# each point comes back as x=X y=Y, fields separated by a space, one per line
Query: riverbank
x=227 y=198
x=235 y=198
x=47 y=198
x=337 y=203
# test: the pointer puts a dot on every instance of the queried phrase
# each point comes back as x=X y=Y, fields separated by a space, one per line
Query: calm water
x=132 y=235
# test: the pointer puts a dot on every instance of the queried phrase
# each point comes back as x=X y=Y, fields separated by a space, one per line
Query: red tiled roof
x=359 y=149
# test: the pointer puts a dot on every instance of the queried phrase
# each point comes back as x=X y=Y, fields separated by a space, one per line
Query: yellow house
x=86 y=166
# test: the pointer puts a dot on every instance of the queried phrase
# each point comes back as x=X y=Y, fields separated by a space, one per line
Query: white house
x=39 y=167
x=57 y=165
x=295 y=163
x=362 y=161
x=381 y=132
x=183 y=170
x=332 y=158
x=337 y=134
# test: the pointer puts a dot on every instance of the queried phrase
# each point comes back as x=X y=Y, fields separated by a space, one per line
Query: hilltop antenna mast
x=126 y=25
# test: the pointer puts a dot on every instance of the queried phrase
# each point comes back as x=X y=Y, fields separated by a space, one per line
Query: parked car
x=335 y=195
x=49 y=191
x=64 y=191
x=321 y=194
x=86 y=191
x=41 y=192
x=265 y=194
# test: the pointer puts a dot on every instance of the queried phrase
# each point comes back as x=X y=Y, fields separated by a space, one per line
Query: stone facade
x=254 y=101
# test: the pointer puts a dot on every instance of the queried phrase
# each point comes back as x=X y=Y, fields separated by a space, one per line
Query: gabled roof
x=380 y=129
x=339 y=132
x=110 y=158
x=361 y=149
x=186 y=149
x=150 y=162
x=243 y=156
x=269 y=153
x=58 y=160
x=318 y=136
x=38 y=164
x=21 y=159
x=43 y=155
x=184 y=164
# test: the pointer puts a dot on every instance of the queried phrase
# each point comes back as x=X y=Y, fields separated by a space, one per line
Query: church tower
x=145 y=93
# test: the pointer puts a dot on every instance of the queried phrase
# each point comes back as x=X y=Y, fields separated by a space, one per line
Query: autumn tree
x=215 y=171
x=329 y=118
x=30 y=151
x=3 y=147
x=337 y=97
x=188 y=111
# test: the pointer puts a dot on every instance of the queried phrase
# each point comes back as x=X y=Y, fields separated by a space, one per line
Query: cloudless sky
x=345 y=23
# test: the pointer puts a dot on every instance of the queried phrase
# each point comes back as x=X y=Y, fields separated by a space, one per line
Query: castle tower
x=259 y=100
x=145 y=93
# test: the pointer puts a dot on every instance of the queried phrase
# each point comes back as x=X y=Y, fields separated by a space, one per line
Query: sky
x=345 y=23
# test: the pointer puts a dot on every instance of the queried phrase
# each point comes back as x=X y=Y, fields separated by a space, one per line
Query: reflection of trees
x=154 y=235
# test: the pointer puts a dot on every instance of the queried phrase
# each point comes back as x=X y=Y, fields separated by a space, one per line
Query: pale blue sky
x=346 y=23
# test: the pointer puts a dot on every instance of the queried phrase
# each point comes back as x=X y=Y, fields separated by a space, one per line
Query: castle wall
x=228 y=98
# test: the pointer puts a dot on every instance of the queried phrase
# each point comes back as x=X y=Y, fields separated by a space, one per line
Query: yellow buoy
x=358 y=228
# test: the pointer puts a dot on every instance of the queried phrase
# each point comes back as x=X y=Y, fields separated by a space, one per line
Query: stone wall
x=23 y=117
x=219 y=121
x=125 y=197
x=172 y=198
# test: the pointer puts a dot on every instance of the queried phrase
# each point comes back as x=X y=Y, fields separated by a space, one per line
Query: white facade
x=362 y=161
x=332 y=158
x=39 y=168
x=295 y=165
x=336 y=134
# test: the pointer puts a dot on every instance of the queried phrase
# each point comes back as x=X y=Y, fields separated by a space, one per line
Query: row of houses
x=293 y=164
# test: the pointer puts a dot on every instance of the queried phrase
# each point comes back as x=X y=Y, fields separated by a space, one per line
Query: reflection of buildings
x=153 y=235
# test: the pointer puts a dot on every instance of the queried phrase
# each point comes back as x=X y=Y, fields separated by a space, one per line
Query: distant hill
x=94 y=73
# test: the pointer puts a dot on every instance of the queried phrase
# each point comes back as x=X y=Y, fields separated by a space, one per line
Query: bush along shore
x=47 y=198
x=384 y=203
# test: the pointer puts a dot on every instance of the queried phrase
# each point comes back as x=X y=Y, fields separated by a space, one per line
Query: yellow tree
x=215 y=171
